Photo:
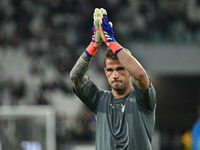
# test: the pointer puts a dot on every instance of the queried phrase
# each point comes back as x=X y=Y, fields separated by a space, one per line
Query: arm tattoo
x=79 y=70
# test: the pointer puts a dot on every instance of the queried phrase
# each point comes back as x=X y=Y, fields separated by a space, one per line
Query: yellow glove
x=96 y=38
x=97 y=16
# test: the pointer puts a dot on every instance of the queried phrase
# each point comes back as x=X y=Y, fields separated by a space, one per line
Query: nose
x=115 y=74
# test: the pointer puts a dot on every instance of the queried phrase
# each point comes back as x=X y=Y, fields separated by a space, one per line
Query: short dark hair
x=110 y=55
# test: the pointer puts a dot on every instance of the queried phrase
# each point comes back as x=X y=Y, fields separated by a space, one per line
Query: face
x=118 y=76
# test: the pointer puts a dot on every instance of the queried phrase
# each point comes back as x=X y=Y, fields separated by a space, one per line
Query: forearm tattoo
x=79 y=70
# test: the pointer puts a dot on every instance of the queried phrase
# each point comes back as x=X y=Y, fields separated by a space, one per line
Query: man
x=125 y=115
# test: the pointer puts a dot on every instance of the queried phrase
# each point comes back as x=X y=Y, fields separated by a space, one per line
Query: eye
x=109 y=70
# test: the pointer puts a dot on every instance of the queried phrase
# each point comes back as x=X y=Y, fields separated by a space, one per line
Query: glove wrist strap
x=91 y=49
x=115 y=47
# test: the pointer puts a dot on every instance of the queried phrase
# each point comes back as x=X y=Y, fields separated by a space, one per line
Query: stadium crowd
x=47 y=36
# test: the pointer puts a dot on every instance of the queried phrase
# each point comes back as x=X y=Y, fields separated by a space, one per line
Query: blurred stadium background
x=40 y=41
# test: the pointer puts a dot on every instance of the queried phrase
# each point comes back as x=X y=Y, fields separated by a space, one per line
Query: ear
x=105 y=70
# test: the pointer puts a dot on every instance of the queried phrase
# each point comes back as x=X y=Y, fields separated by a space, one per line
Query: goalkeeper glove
x=96 y=38
x=107 y=34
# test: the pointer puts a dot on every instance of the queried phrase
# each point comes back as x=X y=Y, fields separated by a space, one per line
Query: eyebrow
x=120 y=68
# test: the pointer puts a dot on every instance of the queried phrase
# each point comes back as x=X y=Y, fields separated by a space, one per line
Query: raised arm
x=78 y=72
x=127 y=60
x=138 y=73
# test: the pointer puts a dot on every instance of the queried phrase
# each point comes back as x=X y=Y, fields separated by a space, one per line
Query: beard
x=120 y=87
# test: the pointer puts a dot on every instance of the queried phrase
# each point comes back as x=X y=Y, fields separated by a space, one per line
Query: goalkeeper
x=125 y=115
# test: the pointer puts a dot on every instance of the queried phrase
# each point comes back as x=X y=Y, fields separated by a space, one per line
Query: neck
x=121 y=93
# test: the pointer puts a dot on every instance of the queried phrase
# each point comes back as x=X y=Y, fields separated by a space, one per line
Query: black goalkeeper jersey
x=126 y=123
